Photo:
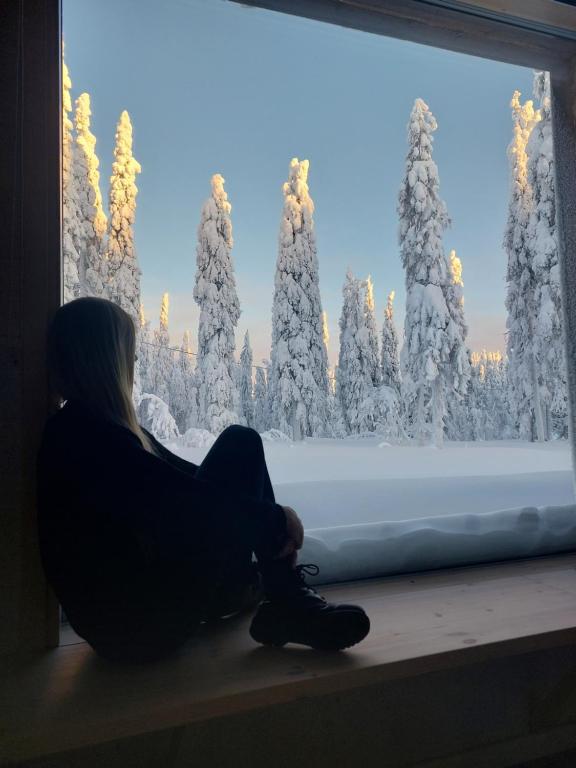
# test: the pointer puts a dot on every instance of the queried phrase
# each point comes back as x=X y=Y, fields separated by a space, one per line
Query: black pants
x=172 y=605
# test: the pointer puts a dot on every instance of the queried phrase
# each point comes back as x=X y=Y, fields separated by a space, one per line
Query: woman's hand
x=294 y=534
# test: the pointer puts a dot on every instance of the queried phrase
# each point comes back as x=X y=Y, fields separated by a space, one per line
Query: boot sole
x=325 y=632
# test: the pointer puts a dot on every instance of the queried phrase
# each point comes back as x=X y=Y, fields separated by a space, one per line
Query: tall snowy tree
x=371 y=343
x=215 y=294
x=488 y=409
x=246 y=386
x=390 y=360
x=122 y=262
x=183 y=395
x=93 y=272
x=260 y=400
x=460 y=355
x=146 y=352
x=521 y=284
x=163 y=356
x=72 y=224
x=325 y=332
x=177 y=392
x=548 y=342
x=355 y=386
x=431 y=337
x=298 y=383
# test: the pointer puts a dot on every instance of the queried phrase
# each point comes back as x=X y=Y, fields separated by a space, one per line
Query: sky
x=215 y=87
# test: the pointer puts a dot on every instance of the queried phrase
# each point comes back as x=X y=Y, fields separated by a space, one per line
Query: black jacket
x=114 y=517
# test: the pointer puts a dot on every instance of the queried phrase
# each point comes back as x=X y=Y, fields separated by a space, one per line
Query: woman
x=141 y=546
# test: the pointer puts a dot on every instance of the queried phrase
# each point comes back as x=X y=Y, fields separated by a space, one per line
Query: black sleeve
x=185 y=466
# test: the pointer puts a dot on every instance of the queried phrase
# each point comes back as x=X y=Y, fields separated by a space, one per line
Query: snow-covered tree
x=177 y=394
x=246 y=385
x=390 y=360
x=520 y=296
x=355 y=386
x=182 y=387
x=145 y=352
x=460 y=356
x=72 y=225
x=371 y=332
x=122 y=262
x=162 y=357
x=154 y=415
x=260 y=401
x=215 y=294
x=488 y=408
x=187 y=361
x=548 y=343
x=93 y=265
x=298 y=383
x=431 y=337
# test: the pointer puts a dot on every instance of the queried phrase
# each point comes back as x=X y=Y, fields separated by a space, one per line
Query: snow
x=154 y=415
x=195 y=438
x=369 y=510
x=275 y=436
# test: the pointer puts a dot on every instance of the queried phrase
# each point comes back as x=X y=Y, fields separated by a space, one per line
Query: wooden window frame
x=30 y=288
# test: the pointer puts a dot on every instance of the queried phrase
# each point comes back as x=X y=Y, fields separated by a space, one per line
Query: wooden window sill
x=67 y=698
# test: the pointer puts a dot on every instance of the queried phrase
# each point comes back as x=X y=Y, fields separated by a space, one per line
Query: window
x=456 y=453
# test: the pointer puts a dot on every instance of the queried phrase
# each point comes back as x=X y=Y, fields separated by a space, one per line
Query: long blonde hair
x=91 y=354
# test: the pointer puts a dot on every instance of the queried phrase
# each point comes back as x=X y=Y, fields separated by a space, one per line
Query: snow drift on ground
x=371 y=509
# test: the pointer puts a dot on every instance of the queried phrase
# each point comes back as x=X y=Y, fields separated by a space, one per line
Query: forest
x=423 y=386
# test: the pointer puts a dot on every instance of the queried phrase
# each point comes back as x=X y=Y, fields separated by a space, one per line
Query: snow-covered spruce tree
x=260 y=400
x=431 y=337
x=177 y=393
x=72 y=225
x=488 y=411
x=162 y=357
x=355 y=386
x=93 y=271
x=298 y=383
x=146 y=352
x=246 y=385
x=520 y=295
x=457 y=389
x=542 y=243
x=390 y=360
x=122 y=263
x=496 y=382
x=371 y=332
x=335 y=426
x=215 y=294
x=186 y=362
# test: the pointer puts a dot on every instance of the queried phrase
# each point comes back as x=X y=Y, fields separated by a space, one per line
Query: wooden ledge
x=67 y=698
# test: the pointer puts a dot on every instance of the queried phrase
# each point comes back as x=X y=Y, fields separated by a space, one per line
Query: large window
x=367 y=229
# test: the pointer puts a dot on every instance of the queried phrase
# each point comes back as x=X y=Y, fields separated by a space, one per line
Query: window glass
x=342 y=240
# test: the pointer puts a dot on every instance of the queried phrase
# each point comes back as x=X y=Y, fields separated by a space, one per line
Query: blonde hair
x=91 y=355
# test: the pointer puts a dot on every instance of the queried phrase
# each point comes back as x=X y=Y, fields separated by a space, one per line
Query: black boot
x=293 y=612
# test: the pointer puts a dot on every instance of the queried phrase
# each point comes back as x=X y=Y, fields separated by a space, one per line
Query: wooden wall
x=29 y=294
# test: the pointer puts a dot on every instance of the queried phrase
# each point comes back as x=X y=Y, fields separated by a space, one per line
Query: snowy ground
x=346 y=482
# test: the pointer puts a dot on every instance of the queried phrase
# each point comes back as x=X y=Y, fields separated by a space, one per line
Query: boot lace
x=307 y=569
x=303 y=570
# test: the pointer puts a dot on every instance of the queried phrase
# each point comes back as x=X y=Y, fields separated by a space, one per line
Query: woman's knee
x=243 y=433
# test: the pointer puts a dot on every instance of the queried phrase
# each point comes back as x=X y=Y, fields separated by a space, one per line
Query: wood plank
x=67 y=698
x=434 y=25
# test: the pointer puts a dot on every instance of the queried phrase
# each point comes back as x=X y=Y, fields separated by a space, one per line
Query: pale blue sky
x=215 y=87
